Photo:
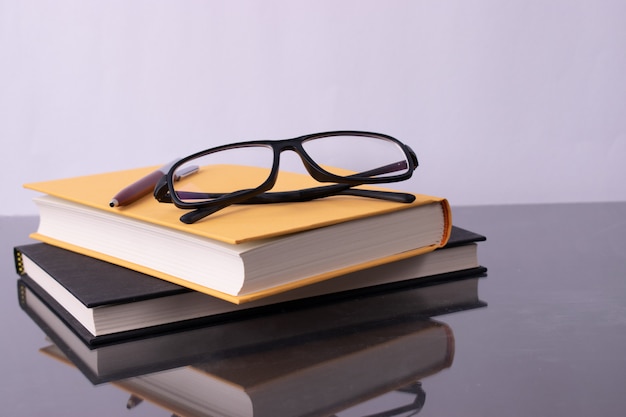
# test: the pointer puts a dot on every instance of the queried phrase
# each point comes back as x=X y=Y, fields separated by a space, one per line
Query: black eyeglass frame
x=259 y=195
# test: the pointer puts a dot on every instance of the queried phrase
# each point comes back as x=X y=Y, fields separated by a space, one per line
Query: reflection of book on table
x=179 y=348
x=307 y=377
x=243 y=252
x=105 y=302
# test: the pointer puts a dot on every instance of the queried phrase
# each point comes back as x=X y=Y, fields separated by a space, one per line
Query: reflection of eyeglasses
x=415 y=407
x=242 y=173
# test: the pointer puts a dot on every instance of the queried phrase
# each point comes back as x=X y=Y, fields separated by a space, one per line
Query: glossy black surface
x=551 y=341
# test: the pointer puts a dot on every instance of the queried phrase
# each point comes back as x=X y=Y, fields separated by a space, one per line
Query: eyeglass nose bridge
x=295 y=145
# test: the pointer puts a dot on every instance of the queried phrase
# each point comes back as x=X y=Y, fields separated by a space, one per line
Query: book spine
x=21 y=294
x=19 y=262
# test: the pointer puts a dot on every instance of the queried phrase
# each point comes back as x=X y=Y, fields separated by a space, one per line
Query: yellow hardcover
x=235 y=224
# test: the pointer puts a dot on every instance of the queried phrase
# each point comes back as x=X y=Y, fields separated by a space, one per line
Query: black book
x=292 y=324
x=292 y=379
x=105 y=303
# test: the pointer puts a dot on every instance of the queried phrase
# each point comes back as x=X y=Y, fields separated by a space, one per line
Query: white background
x=518 y=101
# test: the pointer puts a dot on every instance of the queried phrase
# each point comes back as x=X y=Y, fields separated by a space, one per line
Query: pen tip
x=114 y=203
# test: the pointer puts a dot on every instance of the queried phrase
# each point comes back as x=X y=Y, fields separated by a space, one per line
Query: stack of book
x=105 y=280
x=104 y=302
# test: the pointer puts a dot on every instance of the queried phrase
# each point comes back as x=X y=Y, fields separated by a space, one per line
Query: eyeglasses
x=244 y=172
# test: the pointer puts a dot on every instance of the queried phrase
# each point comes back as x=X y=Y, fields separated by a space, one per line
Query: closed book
x=182 y=347
x=243 y=252
x=112 y=302
x=295 y=379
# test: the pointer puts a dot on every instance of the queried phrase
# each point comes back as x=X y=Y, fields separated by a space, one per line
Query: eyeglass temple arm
x=318 y=192
x=306 y=194
x=299 y=195
x=386 y=169
x=395 y=196
x=315 y=192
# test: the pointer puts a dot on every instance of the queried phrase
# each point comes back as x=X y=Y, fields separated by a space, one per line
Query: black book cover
x=92 y=281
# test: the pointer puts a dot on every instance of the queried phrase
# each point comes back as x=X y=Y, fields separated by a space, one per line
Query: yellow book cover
x=238 y=229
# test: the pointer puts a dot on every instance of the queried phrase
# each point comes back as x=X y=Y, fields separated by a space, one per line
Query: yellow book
x=243 y=252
